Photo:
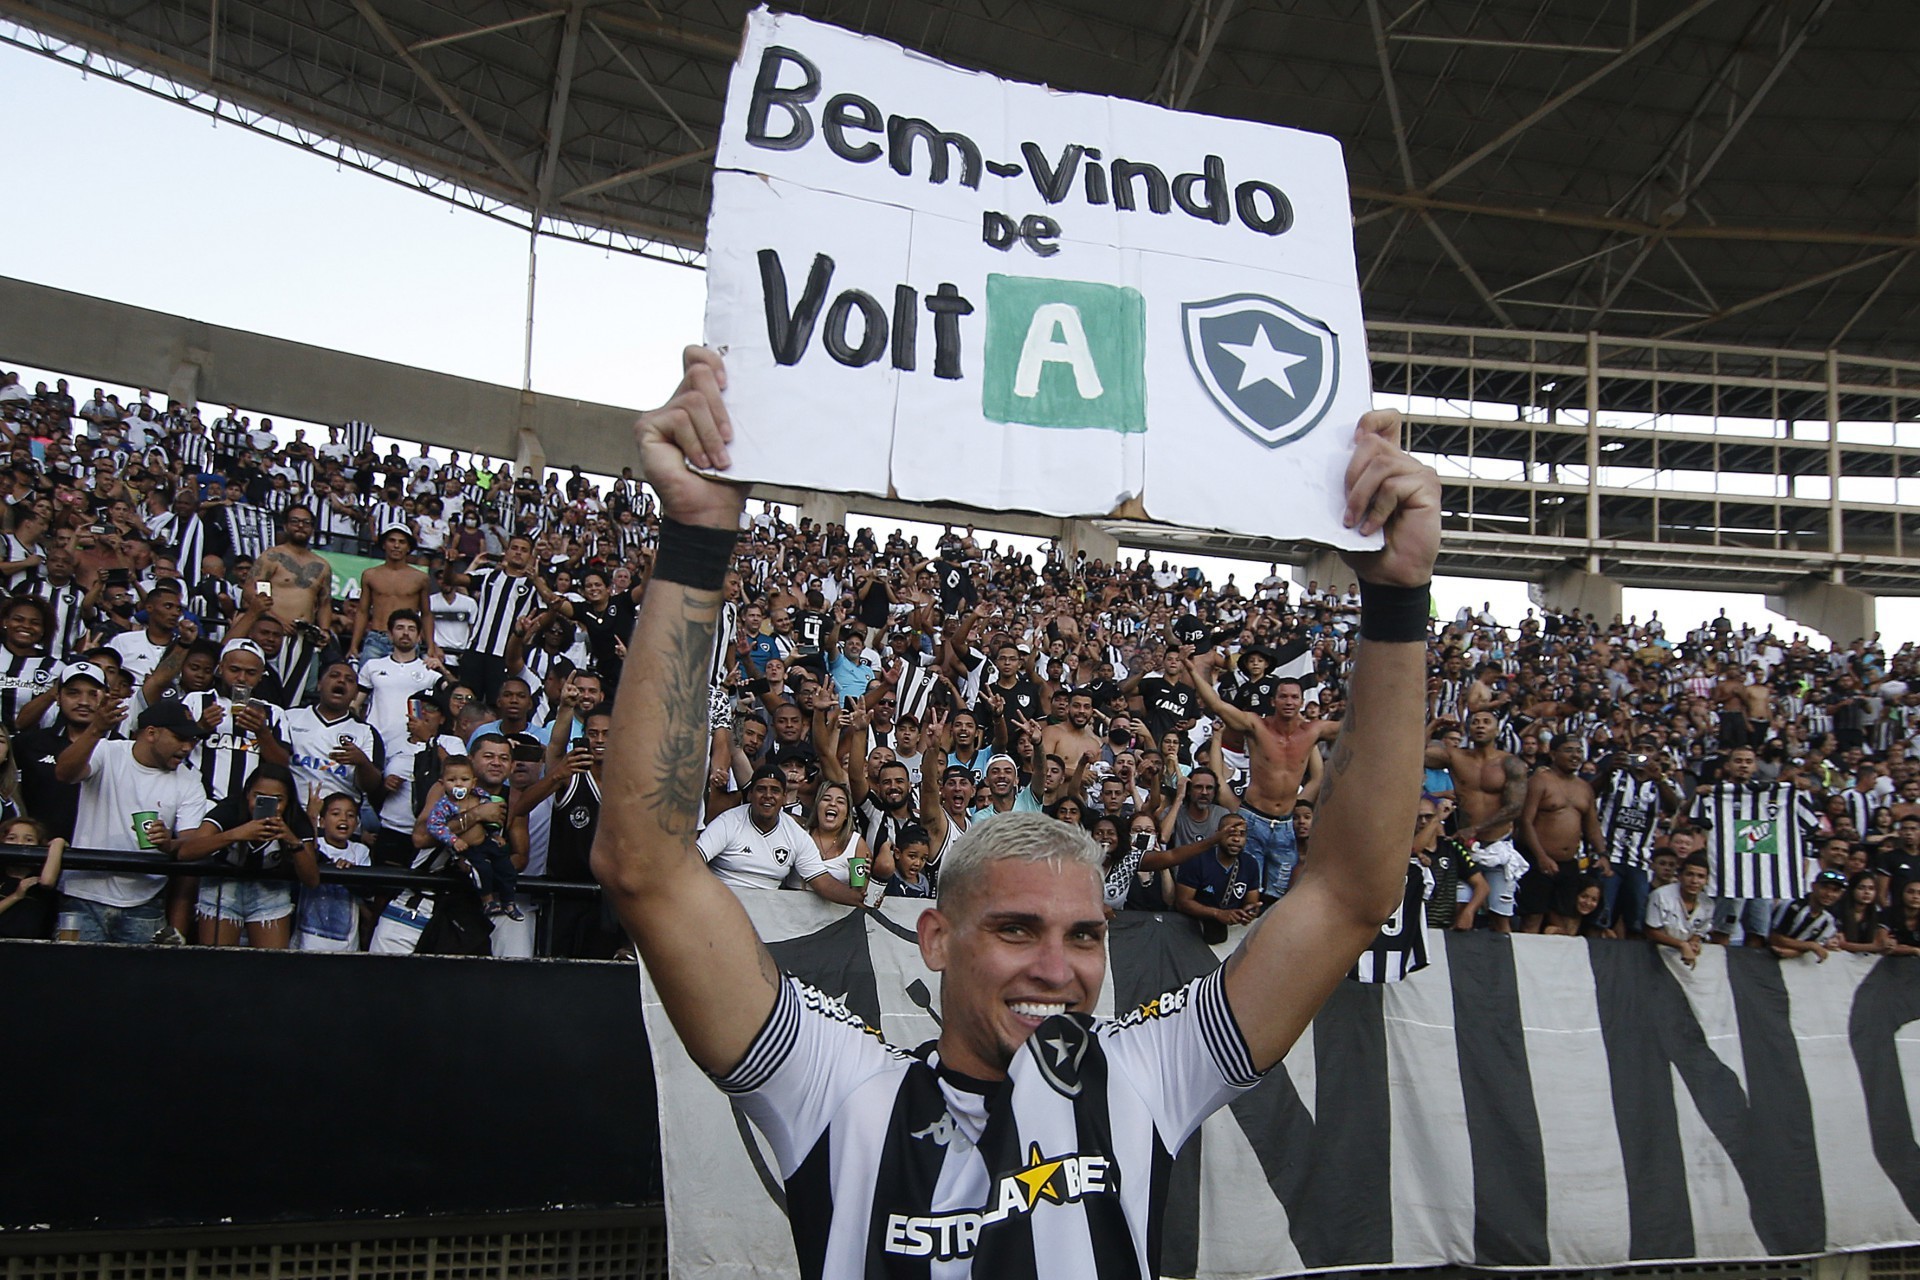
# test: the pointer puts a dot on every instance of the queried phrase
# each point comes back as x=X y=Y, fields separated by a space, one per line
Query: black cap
x=172 y=717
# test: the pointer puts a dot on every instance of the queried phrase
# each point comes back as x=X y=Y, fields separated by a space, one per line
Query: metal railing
x=366 y=881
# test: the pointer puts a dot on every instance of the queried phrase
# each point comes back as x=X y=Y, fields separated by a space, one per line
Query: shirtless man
x=1283 y=768
x=1758 y=696
x=1559 y=822
x=1491 y=787
x=298 y=583
x=1730 y=700
x=386 y=587
x=1073 y=740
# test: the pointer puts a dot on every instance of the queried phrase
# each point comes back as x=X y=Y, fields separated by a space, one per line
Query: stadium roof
x=1732 y=171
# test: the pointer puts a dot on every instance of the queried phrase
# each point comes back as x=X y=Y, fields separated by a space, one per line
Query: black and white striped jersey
x=722 y=668
x=918 y=680
x=226 y=758
x=1760 y=839
x=1860 y=807
x=500 y=600
x=69 y=619
x=357 y=436
x=291 y=667
x=193 y=449
x=27 y=579
x=1805 y=922
x=897 y=1166
x=1399 y=950
x=1629 y=812
x=23 y=677
x=187 y=536
x=382 y=514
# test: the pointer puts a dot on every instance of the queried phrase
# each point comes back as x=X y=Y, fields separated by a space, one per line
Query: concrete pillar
x=1084 y=535
x=1326 y=568
x=825 y=508
x=1571 y=590
x=1840 y=613
x=184 y=386
x=528 y=451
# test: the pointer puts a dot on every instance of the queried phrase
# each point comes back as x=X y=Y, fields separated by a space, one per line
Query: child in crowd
x=29 y=902
x=328 y=916
x=484 y=848
x=910 y=878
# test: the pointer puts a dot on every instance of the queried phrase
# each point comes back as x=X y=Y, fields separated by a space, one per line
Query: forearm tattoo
x=680 y=754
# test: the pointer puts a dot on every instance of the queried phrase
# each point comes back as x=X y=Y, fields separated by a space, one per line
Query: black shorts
x=1558 y=894
x=1733 y=730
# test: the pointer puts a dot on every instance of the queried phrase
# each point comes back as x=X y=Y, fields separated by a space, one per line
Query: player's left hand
x=1389 y=491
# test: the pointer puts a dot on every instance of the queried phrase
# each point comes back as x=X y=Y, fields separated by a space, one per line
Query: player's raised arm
x=714 y=976
x=1363 y=828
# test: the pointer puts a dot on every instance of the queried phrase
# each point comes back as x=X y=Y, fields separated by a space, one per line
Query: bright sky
x=158 y=206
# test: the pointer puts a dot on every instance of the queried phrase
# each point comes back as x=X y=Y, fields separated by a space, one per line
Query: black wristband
x=694 y=556
x=1396 y=615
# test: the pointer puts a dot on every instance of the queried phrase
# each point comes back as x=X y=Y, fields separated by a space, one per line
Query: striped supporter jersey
x=897 y=1166
x=1629 y=812
x=1760 y=838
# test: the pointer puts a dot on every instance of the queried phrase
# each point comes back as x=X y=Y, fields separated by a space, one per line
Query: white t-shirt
x=1667 y=913
x=745 y=857
x=138 y=654
x=312 y=741
x=116 y=787
x=433 y=530
x=452 y=621
x=389 y=682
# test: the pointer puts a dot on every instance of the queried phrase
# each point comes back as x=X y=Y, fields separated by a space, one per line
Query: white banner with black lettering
x=1526 y=1104
x=936 y=284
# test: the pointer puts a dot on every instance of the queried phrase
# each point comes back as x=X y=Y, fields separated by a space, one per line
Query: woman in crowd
x=1900 y=923
x=256 y=829
x=838 y=844
x=1859 y=916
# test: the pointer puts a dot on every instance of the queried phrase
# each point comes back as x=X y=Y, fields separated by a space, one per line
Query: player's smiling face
x=1027 y=943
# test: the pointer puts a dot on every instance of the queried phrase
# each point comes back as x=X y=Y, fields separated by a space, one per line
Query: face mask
x=458 y=793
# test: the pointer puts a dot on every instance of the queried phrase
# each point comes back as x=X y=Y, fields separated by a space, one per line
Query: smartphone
x=530 y=753
x=264 y=589
x=847 y=704
x=265 y=807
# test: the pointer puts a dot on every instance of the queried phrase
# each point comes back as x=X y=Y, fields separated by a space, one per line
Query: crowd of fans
x=184 y=676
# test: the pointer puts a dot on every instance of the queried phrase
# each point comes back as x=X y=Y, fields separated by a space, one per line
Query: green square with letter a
x=1065 y=353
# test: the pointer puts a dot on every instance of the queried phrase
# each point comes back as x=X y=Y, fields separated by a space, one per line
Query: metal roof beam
x=488 y=30
x=1567 y=95
x=557 y=108
x=1630 y=226
x=634 y=175
x=1691 y=185
x=1466 y=269
x=1204 y=21
x=447 y=100
x=1784 y=291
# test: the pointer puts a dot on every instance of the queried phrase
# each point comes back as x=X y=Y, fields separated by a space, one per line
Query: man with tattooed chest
x=297 y=582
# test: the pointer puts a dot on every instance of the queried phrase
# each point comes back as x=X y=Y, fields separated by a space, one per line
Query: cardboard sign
x=938 y=285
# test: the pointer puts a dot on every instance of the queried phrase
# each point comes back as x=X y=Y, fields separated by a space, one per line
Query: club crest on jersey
x=1059 y=1047
x=1269 y=368
x=1065 y=1179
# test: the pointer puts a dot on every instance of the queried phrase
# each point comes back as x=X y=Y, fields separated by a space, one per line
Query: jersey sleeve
x=1184 y=1054
x=712 y=839
x=810 y=1055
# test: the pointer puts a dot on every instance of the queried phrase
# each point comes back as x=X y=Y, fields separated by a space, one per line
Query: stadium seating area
x=214 y=633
